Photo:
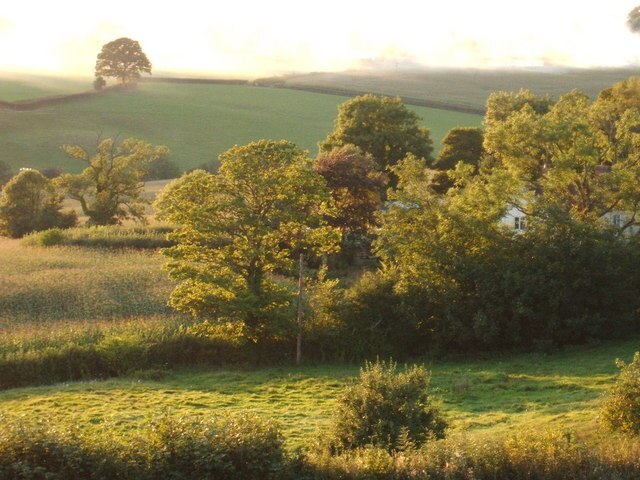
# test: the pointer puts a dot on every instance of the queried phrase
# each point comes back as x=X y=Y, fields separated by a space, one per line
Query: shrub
x=28 y=203
x=48 y=238
x=386 y=409
x=621 y=409
x=234 y=447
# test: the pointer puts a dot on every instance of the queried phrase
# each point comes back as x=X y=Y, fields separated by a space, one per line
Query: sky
x=253 y=38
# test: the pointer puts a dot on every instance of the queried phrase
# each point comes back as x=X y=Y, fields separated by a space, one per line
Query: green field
x=197 y=122
x=51 y=297
x=16 y=87
x=460 y=87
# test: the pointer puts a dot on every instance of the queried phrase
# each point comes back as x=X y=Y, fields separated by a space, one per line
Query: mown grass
x=197 y=122
x=489 y=398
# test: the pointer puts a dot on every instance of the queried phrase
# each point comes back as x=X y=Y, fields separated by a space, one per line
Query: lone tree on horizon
x=123 y=59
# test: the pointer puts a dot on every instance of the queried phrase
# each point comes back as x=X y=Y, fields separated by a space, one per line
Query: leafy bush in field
x=621 y=409
x=387 y=409
x=29 y=202
x=234 y=447
x=108 y=236
x=240 y=447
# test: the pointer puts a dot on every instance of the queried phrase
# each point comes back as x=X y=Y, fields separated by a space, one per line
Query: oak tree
x=109 y=189
x=122 y=59
x=382 y=127
x=239 y=231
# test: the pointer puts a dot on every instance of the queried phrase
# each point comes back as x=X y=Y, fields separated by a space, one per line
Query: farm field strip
x=196 y=121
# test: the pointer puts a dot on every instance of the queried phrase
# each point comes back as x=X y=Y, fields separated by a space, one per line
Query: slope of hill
x=465 y=89
x=196 y=121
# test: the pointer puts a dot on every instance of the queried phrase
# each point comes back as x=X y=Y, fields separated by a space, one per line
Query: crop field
x=51 y=297
x=197 y=122
x=460 y=88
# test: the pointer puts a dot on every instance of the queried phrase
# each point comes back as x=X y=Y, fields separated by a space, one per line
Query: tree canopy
x=123 y=59
x=356 y=185
x=242 y=226
x=460 y=144
x=382 y=127
x=580 y=157
x=109 y=189
x=29 y=203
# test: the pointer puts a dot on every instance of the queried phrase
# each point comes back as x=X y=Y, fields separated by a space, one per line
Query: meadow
x=114 y=302
x=196 y=121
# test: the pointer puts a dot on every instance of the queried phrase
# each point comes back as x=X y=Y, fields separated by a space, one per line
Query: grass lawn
x=526 y=392
x=197 y=122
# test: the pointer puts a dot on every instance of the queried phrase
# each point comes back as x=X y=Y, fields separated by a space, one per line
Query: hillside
x=196 y=121
x=456 y=89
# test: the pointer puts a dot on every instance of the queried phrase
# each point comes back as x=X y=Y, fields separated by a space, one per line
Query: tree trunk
x=300 y=289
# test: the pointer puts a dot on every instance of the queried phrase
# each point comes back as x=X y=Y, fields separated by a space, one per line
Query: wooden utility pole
x=300 y=290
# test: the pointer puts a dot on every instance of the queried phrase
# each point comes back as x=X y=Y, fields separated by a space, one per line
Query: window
x=617 y=220
x=519 y=223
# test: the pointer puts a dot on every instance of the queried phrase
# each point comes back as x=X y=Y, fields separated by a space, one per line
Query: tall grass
x=65 y=283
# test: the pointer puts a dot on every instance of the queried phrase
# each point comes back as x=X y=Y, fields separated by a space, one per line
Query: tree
x=633 y=20
x=500 y=105
x=460 y=144
x=382 y=127
x=110 y=188
x=122 y=58
x=162 y=168
x=29 y=203
x=580 y=157
x=356 y=186
x=241 y=227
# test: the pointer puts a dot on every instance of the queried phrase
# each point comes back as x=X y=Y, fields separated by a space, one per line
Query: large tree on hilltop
x=123 y=59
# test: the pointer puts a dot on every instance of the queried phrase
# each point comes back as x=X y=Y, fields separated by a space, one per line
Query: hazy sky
x=252 y=37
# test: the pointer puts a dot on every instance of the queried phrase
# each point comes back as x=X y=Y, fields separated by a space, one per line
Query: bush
x=387 y=409
x=621 y=409
x=233 y=447
x=29 y=203
x=48 y=238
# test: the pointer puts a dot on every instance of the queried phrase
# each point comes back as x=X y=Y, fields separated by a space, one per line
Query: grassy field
x=197 y=122
x=51 y=297
x=462 y=88
x=489 y=398
x=16 y=87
